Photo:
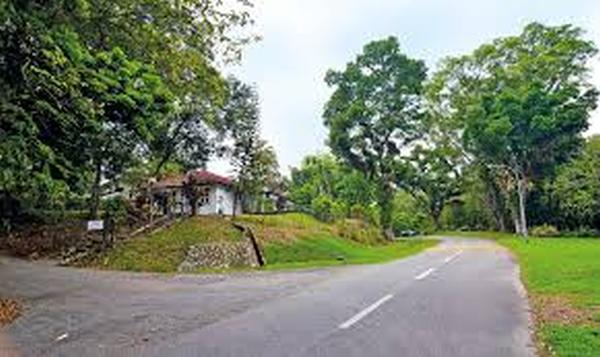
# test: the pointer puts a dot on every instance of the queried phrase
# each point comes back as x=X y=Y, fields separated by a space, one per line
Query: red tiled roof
x=169 y=181
x=204 y=176
x=198 y=177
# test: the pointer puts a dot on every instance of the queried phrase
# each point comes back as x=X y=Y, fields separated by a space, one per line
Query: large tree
x=523 y=102
x=374 y=115
x=253 y=160
x=434 y=178
x=577 y=187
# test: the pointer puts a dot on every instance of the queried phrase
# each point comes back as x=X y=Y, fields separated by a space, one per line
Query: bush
x=545 y=230
x=359 y=231
x=582 y=232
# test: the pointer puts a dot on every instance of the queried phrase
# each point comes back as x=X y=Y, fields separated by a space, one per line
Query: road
x=461 y=298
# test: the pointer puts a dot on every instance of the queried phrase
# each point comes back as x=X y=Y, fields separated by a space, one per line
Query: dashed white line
x=424 y=274
x=450 y=258
x=354 y=319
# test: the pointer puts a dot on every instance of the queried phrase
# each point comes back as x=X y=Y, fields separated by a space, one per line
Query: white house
x=213 y=194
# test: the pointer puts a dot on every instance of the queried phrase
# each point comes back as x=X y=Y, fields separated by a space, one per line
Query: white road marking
x=424 y=274
x=62 y=337
x=450 y=258
x=354 y=319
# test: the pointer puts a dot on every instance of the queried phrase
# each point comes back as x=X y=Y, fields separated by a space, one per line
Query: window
x=204 y=197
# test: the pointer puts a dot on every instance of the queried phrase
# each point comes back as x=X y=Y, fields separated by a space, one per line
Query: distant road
x=462 y=298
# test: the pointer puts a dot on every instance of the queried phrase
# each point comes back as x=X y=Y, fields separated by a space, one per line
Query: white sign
x=95 y=225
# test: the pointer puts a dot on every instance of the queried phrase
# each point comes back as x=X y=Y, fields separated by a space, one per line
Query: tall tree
x=523 y=100
x=374 y=115
x=254 y=162
x=577 y=187
x=434 y=178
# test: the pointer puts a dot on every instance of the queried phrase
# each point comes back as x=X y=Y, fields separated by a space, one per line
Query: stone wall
x=219 y=255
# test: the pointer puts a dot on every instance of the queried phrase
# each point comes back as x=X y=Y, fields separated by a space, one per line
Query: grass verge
x=297 y=240
x=291 y=240
x=562 y=276
x=162 y=251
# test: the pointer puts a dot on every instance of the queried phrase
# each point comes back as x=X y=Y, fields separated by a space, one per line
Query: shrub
x=359 y=231
x=545 y=230
x=581 y=232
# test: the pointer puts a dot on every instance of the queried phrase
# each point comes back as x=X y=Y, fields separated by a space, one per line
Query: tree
x=577 y=187
x=523 y=102
x=374 y=114
x=435 y=178
x=254 y=161
x=323 y=185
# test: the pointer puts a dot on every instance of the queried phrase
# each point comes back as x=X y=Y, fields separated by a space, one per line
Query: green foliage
x=254 y=162
x=374 y=113
x=323 y=250
x=326 y=209
x=522 y=101
x=331 y=190
x=564 y=268
x=572 y=341
x=434 y=178
x=164 y=250
x=545 y=230
x=410 y=215
x=577 y=187
x=97 y=92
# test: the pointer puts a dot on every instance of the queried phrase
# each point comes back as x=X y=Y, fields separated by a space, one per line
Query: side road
x=462 y=298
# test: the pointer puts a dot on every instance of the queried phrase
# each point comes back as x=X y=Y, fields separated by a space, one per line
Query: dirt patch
x=9 y=311
x=558 y=309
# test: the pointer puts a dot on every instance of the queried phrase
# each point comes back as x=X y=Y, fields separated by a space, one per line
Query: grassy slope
x=164 y=250
x=297 y=240
x=288 y=241
x=566 y=271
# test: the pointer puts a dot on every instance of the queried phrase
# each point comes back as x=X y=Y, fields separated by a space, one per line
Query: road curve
x=461 y=298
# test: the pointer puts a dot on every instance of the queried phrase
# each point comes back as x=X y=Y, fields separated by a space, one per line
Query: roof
x=204 y=176
x=196 y=176
x=170 y=182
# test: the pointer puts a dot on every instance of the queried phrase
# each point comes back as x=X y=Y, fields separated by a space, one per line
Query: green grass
x=566 y=269
x=326 y=250
x=297 y=240
x=164 y=250
x=291 y=240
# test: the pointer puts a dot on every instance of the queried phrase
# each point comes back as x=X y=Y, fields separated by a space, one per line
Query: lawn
x=325 y=249
x=164 y=250
x=291 y=240
x=562 y=276
x=298 y=240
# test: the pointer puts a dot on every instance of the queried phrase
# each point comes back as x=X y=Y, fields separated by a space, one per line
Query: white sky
x=302 y=39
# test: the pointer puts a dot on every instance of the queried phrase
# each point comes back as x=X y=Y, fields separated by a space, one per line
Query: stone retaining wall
x=219 y=255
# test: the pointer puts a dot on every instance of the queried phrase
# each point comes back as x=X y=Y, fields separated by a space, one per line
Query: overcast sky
x=302 y=39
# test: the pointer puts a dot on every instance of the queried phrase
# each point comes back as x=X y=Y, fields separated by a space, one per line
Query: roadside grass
x=292 y=240
x=562 y=276
x=162 y=251
x=567 y=271
x=296 y=240
x=326 y=250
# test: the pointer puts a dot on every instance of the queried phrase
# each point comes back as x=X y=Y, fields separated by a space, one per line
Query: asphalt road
x=461 y=298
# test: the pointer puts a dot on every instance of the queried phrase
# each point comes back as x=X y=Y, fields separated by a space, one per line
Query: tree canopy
x=375 y=113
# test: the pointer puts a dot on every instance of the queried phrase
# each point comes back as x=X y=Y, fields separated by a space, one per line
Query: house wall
x=220 y=202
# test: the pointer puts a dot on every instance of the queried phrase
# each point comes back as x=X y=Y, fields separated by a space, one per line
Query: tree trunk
x=522 y=193
x=235 y=202
x=385 y=205
x=95 y=199
x=436 y=220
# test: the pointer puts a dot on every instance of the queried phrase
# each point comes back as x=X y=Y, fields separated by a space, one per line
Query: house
x=198 y=191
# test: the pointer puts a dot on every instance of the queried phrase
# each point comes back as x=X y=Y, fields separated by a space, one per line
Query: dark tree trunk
x=386 y=197
x=95 y=199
